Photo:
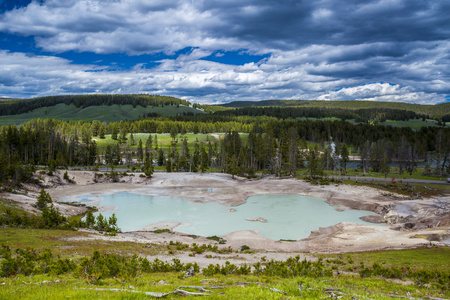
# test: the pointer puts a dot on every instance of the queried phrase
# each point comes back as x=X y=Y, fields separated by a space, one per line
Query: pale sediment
x=221 y=188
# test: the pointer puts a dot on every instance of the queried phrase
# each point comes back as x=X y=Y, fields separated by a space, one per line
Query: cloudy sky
x=216 y=51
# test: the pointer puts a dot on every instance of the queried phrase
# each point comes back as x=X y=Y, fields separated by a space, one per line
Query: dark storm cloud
x=254 y=25
x=293 y=24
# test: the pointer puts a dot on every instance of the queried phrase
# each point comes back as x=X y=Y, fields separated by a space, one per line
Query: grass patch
x=415 y=124
x=278 y=283
x=423 y=258
x=231 y=287
x=65 y=243
x=165 y=140
x=11 y=205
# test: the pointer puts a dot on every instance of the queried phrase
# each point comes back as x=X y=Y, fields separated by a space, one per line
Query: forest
x=251 y=144
x=358 y=115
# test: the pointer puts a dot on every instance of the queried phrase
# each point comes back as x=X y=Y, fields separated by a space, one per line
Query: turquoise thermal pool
x=289 y=217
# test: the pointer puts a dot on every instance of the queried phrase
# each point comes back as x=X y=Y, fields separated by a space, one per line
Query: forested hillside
x=358 y=115
x=104 y=113
x=20 y=106
x=105 y=108
x=432 y=111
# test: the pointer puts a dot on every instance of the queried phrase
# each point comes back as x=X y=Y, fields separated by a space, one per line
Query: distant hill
x=105 y=108
x=438 y=110
x=20 y=106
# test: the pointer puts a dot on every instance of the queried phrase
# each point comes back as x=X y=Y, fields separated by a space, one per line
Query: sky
x=217 y=51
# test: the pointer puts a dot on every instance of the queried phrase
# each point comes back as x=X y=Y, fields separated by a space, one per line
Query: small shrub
x=162 y=230
x=244 y=248
x=217 y=239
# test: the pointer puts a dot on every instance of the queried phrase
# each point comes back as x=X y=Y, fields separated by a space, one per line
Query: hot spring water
x=288 y=217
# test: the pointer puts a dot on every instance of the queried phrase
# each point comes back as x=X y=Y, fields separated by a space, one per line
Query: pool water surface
x=289 y=217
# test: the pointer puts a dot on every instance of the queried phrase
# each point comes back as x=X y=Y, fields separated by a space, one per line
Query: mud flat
x=410 y=221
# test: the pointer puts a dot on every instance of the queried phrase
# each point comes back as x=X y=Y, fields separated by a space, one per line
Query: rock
x=409 y=225
x=190 y=272
x=434 y=237
x=391 y=217
x=259 y=219
x=373 y=219
x=232 y=210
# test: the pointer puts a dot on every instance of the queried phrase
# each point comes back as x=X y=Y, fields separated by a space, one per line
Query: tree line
x=430 y=110
x=359 y=115
x=274 y=146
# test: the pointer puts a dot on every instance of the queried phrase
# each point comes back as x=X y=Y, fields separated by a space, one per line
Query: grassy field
x=80 y=285
x=425 y=258
x=415 y=124
x=165 y=140
x=221 y=287
x=111 y=113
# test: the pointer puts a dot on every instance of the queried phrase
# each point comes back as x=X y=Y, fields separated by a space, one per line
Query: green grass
x=61 y=242
x=414 y=124
x=9 y=204
x=232 y=287
x=111 y=113
x=165 y=140
x=417 y=258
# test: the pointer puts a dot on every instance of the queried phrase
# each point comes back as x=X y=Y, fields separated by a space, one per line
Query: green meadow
x=165 y=140
x=74 y=271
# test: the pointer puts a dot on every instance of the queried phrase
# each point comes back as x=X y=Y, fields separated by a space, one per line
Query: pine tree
x=160 y=159
x=101 y=131
x=112 y=224
x=148 y=166
x=344 y=158
x=101 y=223
x=52 y=217
x=132 y=140
x=90 y=219
x=115 y=131
x=169 y=165
x=203 y=159
x=314 y=162
x=140 y=152
x=43 y=199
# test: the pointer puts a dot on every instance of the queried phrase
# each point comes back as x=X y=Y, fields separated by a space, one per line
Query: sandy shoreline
x=221 y=188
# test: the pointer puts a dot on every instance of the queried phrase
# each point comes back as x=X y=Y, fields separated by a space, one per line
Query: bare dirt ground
x=410 y=222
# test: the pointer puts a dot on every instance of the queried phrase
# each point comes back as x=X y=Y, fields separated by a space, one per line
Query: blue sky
x=209 y=51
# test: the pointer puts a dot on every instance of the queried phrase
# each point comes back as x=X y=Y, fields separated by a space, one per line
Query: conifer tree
x=148 y=165
x=43 y=199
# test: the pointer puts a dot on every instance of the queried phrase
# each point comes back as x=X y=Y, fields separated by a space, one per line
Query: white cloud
x=314 y=48
x=196 y=80
x=383 y=92
x=140 y=26
x=98 y=26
